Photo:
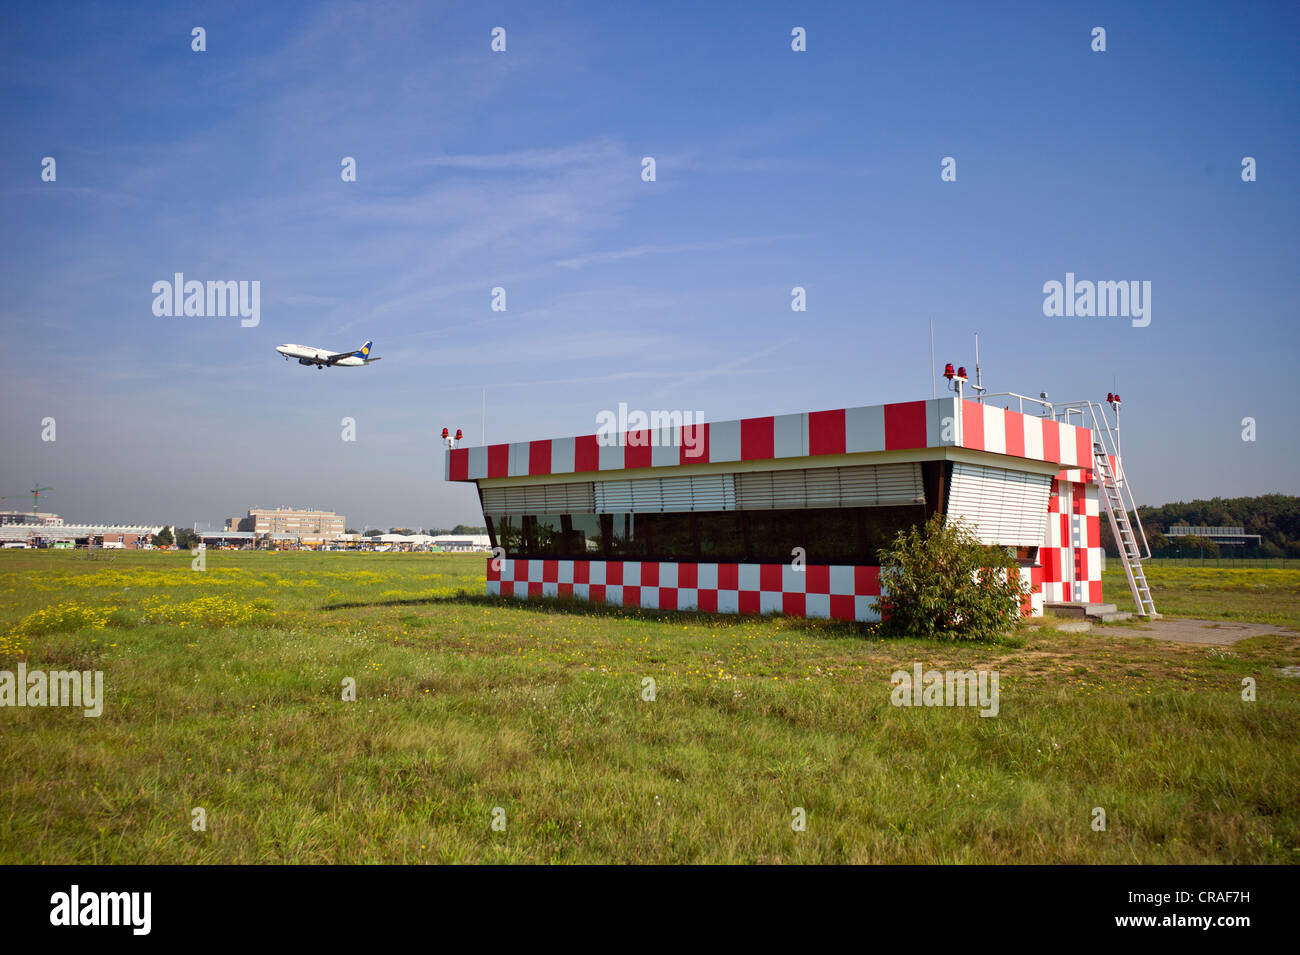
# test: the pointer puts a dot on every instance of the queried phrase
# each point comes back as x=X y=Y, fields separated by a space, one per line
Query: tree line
x=459 y=529
x=1274 y=517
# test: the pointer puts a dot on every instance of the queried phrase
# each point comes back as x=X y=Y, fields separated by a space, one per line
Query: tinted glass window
x=582 y=535
x=883 y=525
x=545 y=534
x=669 y=536
x=720 y=535
x=832 y=536
x=827 y=536
x=773 y=535
x=628 y=536
x=509 y=530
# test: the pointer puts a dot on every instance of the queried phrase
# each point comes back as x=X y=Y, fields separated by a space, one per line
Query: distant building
x=228 y=538
x=428 y=542
x=462 y=542
x=306 y=525
x=25 y=517
x=1220 y=535
x=112 y=536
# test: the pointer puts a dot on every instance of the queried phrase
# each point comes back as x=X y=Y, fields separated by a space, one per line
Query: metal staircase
x=1118 y=500
x=1122 y=529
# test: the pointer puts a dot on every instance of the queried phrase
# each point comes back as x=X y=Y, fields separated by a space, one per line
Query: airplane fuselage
x=322 y=357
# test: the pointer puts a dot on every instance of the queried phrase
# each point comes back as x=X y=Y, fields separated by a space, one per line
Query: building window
x=507 y=532
x=544 y=534
x=721 y=535
x=583 y=535
x=627 y=536
x=854 y=535
x=670 y=536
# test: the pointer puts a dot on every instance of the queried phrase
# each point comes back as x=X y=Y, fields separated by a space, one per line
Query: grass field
x=1255 y=595
x=224 y=692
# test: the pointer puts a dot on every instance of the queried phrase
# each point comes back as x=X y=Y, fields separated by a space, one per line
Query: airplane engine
x=303 y=361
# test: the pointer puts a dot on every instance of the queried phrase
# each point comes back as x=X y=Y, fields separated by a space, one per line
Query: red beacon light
x=458 y=434
x=961 y=372
x=445 y=433
x=947 y=371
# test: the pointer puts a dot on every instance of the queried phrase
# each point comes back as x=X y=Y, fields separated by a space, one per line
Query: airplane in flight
x=321 y=358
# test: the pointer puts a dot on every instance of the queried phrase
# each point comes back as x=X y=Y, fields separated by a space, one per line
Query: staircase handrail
x=1051 y=410
x=1109 y=442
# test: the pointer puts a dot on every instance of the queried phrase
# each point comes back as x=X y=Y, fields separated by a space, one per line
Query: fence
x=1275 y=563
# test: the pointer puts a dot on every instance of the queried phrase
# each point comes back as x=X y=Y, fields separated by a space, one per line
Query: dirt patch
x=1188 y=630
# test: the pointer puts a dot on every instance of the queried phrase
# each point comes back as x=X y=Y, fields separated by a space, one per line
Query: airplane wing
x=331 y=359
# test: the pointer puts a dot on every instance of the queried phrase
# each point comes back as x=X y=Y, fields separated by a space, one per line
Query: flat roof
x=935 y=423
x=82 y=529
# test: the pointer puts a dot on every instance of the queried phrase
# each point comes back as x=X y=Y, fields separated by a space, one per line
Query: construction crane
x=36 y=497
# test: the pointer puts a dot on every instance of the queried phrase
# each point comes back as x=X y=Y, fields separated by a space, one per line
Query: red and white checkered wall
x=830 y=592
x=838 y=592
x=1071 y=558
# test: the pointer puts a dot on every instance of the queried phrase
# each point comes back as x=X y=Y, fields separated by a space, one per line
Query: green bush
x=940 y=581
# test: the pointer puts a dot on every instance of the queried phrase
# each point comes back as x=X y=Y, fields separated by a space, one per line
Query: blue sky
x=523 y=170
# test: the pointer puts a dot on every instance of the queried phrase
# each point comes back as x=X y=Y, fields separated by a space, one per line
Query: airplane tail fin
x=364 y=350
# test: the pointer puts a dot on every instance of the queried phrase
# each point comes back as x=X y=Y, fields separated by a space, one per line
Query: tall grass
x=466 y=704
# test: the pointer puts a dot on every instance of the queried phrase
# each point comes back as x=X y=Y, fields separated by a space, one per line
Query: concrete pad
x=1189 y=630
x=1062 y=626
